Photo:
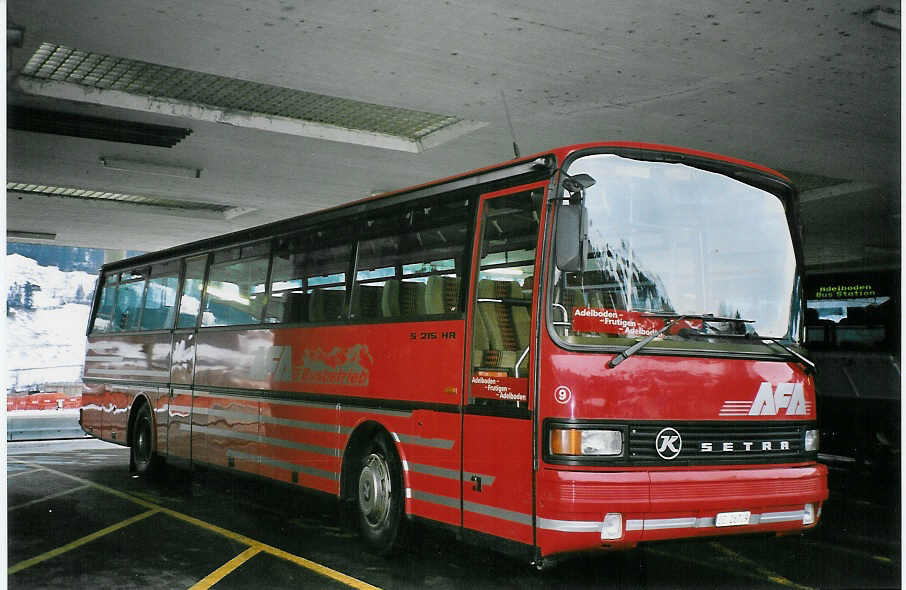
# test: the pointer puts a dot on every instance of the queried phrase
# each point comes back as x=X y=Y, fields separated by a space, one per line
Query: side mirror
x=572 y=237
x=577 y=184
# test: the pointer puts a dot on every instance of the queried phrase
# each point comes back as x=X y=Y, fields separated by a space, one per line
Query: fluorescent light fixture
x=62 y=72
x=149 y=203
x=149 y=168
x=30 y=235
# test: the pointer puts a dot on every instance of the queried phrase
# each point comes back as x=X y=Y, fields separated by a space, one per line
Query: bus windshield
x=667 y=239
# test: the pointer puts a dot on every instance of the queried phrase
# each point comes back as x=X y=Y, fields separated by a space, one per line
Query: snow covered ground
x=47 y=344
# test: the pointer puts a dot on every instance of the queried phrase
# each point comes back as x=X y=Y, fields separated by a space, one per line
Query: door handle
x=477 y=480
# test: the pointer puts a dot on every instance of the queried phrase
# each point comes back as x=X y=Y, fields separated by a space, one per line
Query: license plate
x=732 y=518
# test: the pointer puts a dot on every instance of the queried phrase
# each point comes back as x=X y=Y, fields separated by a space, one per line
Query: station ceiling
x=140 y=125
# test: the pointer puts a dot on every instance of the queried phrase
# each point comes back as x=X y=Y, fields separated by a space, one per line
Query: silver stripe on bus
x=318 y=426
x=436 y=499
x=508 y=515
x=654 y=524
x=127 y=372
x=279 y=442
x=267 y=400
x=327 y=406
x=283 y=464
x=782 y=516
x=570 y=526
x=448 y=473
x=101 y=359
x=500 y=513
x=129 y=388
x=437 y=443
x=398 y=413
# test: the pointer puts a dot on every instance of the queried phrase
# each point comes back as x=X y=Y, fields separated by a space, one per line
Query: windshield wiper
x=674 y=319
x=808 y=364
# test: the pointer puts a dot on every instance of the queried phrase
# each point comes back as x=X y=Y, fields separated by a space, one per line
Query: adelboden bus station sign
x=848 y=291
x=862 y=285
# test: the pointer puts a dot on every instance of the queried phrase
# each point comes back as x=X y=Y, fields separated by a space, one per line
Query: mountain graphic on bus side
x=350 y=366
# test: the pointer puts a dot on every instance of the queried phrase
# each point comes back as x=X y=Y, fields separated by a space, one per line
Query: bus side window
x=102 y=320
x=442 y=284
x=236 y=289
x=160 y=297
x=129 y=297
x=289 y=301
x=308 y=280
x=193 y=281
x=376 y=292
x=326 y=282
x=416 y=270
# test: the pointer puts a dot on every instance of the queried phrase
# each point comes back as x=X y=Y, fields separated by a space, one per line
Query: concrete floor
x=78 y=519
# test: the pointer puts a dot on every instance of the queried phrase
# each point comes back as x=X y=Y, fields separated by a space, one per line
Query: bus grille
x=718 y=443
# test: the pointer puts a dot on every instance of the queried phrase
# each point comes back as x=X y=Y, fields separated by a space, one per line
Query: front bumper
x=658 y=505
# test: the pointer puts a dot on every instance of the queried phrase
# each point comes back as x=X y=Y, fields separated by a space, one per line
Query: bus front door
x=497 y=424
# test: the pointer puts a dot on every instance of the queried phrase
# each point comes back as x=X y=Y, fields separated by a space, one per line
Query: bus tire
x=142 y=457
x=379 y=495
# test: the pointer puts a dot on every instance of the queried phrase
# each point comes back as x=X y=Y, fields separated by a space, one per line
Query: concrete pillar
x=113 y=255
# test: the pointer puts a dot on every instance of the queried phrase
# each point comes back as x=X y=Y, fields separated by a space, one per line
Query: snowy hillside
x=48 y=340
x=57 y=287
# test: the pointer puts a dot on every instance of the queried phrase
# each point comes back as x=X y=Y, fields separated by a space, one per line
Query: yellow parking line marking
x=311 y=565
x=12 y=475
x=321 y=569
x=315 y=567
x=227 y=568
x=78 y=542
x=755 y=566
x=45 y=498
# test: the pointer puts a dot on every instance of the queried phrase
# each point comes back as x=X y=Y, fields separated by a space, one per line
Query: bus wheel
x=143 y=459
x=379 y=496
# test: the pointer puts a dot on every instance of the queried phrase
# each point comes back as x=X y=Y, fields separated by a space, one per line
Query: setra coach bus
x=587 y=348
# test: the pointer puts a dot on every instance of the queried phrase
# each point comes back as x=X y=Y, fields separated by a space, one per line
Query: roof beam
x=837 y=190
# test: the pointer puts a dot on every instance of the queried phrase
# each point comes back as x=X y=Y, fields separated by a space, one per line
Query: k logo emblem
x=668 y=443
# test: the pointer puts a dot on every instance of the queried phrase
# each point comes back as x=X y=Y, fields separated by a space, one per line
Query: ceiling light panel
x=417 y=129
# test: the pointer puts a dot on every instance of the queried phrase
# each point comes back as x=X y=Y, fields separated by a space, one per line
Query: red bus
x=587 y=348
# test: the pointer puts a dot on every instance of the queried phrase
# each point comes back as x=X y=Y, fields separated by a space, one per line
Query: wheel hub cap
x=374 y=490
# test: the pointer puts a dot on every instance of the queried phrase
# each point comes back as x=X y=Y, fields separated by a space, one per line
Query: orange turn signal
x=566 y=441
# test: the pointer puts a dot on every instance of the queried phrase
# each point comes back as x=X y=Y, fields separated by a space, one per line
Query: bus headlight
x=586 y=442
x=812 y=440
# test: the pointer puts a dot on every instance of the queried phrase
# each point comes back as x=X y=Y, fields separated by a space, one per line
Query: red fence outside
x=43 y=401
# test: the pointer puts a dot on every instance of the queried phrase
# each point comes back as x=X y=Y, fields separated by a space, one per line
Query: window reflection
x=670 y=238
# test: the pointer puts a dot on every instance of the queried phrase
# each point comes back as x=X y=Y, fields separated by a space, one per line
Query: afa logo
x=784 y=399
